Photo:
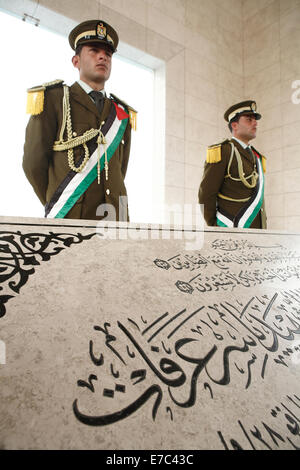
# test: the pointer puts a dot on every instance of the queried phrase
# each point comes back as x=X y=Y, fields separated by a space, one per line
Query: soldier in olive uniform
x=78 y=140
x=232 y=187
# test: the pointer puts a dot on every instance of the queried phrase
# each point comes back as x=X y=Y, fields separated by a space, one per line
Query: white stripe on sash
x=223 y=221
x=243 y=220
x=79 y=177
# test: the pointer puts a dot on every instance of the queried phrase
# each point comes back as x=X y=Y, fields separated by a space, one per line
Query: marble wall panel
x=275 y=205
x=175 y=148
x=269 y=140
x=174 y=9
x=232 y=6
x=275 y=161
x=200 y=18
x=198 y=131
x=202 y=89
x=292 y=222
x=268 y=98
x=263 y=80
x=201 y=45
x=271 y=118
x=292 y=204
x=133 y=9
x=199 y=65
x=289 y=45
x=288 y=5
x=228 y=59
x=230 y=81
x=195 y=153
x=78 y=11
x=264 y=18
x=191 y=196
x=164 y=25
x=174 y=195
x=192 y=177
x=175 y=101
x=253 y=7
x=201 y=110
x=291 y=156
x=277 y=223
x=174 y=173
x=290 y=23
x=291 y=113
x=175 y=76
x=174 y=125
x=291 y=180
x=291 y=135
x=275 y=184
x=263 y=58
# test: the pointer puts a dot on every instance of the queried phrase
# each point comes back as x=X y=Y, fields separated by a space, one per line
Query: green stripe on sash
x=221 y=224
x=259 y=204
x=92 y=175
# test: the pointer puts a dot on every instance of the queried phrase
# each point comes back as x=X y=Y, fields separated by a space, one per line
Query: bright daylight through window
x=33 y=56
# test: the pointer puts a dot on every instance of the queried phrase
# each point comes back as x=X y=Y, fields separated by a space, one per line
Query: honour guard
x=77 y=141
x=232 y=187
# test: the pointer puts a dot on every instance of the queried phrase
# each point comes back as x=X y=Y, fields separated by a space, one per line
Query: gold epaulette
x=213 y=154
x=35 y=96
x=132 y=112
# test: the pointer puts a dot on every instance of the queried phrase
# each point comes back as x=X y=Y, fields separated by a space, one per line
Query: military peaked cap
x=94 y=31
x=240 y=109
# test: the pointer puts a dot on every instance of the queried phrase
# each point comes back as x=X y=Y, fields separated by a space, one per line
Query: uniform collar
x=87 y=87
x=242 y=144
x=82 y=98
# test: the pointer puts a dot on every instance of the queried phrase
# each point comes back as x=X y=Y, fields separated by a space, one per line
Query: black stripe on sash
x=92 y=146
x=242 y=211
x=226 y=214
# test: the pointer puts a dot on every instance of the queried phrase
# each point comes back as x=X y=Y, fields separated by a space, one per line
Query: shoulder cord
x=242 y=178
x=72 y=142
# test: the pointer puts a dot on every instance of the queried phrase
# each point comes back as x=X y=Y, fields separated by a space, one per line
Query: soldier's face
x=93 y=63
x=245 y=128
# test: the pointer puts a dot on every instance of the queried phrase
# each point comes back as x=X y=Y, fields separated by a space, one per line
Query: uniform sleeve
x=212 y=180
x=39 y=139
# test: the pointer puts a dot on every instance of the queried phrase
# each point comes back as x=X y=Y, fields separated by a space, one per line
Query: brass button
x=107 y=191
x=74 y=134
x=123 y=141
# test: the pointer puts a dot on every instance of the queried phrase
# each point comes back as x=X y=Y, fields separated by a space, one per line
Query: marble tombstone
x=126 y=338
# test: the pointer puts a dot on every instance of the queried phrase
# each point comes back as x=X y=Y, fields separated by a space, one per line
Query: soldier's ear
x=76 y=61
x=234 y=125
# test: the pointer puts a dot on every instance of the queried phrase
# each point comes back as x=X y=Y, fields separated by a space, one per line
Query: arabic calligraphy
x=271 y=437
x=229 y=256
x=176 y=368
x=21 y=253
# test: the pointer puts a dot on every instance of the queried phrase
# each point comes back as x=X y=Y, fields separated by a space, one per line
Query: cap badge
x=101 y=30
x=253 y=106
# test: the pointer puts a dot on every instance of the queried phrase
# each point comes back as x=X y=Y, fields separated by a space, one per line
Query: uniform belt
x=231 y=199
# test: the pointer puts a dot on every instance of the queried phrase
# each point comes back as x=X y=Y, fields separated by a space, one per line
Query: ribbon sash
x=249 y=211
x=75 y=184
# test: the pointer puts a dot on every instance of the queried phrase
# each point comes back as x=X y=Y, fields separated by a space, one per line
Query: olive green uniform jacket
x=214 y=182
x=46 y=169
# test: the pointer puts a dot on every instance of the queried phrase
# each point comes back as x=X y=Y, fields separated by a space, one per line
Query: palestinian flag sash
x=249 y=211
x=75 y=184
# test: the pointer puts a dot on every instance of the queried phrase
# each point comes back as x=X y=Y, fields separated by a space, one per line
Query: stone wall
x=216 y=53
x=271 y=65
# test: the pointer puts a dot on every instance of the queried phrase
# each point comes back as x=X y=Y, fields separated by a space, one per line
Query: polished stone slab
x=148 y=338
